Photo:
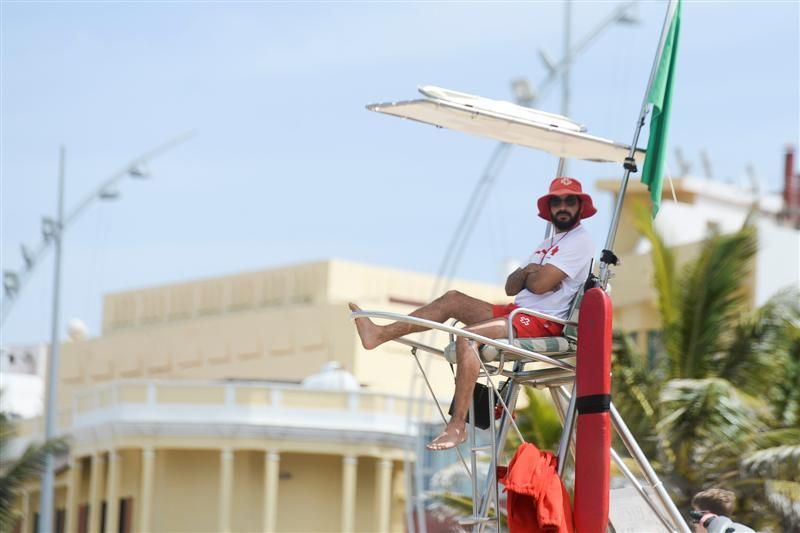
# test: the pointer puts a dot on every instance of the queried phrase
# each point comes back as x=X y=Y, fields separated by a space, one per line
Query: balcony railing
x=205 y=404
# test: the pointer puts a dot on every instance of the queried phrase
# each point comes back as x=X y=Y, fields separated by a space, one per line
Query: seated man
x=548 y=283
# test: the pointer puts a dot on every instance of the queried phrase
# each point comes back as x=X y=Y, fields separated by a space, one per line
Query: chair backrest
x=571 y=332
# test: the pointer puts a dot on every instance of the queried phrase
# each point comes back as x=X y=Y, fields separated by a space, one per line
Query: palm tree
x=722 y=392
x=14 y=473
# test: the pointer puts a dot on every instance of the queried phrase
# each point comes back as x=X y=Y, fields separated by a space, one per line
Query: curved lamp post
x=52 y=233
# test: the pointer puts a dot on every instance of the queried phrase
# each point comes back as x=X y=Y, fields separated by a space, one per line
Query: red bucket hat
x=564 y=186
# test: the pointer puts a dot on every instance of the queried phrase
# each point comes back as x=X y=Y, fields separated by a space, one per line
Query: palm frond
x=778 y=462
x=700 y=414
x=784 y=497
x=711 y=408
x=664 y=280
x=712 y=296
x=759 y=354
x=663 y=265
x=633 y=387
x=784 y=346
x=14 y=473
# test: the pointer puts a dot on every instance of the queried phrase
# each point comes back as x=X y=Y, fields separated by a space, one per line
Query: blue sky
x=287 y=166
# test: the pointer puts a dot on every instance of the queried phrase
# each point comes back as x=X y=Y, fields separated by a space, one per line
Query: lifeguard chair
x=550 y=362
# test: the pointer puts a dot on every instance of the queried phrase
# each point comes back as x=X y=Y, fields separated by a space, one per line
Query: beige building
x=703 y=206
x=202 y=407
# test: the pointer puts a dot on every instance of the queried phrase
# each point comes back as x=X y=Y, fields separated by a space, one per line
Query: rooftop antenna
x=684 y=167
x=706 y=161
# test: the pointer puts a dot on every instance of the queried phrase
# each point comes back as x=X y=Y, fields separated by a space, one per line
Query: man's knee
x=452 y=296
x=467 y=354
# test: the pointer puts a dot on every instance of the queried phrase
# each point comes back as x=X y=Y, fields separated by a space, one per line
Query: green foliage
x=14 y=473
x=720 y=406
x=539 y=422
x=635 y=388
x=663 y=267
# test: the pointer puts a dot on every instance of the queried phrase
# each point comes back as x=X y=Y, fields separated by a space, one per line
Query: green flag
x=660 y=96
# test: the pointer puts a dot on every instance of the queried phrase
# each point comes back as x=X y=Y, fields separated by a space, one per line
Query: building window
x=655 y=346
x=61 y=519
x=102 y=516
x=83 y=518
x=125 y=515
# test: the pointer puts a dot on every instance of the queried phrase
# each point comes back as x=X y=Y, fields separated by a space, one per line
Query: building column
x=272 y=463
x=349 y=473
x=225 y=490
x=112 y=491
x=73 y=494
x=383 y=496
x=146 y=489
x=95 y=501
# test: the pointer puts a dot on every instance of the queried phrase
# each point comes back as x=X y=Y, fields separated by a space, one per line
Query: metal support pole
x=48 y=477
x=505 y=423
x=640 y=458
x=569 y=428
x=562 y=165
x=473 y=459
x=638 y=486
x=492 y=473
x=612 y=231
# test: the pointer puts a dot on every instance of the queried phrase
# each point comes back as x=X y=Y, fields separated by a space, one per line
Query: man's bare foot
x=452 y=436
x=367 y=330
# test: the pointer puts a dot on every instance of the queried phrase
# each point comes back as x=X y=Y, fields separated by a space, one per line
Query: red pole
x=593 y=438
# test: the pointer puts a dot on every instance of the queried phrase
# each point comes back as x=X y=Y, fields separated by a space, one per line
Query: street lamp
x=14 y=281
x=621 y=15
x=52 y=237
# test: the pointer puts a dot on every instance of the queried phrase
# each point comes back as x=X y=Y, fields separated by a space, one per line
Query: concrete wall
x=186 y=491
x=778 y=261
x=309 y=493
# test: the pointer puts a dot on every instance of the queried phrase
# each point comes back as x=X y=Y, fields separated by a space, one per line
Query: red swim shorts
x=528 y=325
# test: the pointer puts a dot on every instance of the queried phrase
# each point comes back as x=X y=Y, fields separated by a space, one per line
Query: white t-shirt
x=571 y=252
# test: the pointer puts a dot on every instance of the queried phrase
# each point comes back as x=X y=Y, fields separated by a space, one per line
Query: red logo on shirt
x=554 y=251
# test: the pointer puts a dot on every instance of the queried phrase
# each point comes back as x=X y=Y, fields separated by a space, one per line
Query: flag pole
x=608 y=257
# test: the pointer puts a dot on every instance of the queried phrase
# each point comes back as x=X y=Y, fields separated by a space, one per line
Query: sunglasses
x=569 y=201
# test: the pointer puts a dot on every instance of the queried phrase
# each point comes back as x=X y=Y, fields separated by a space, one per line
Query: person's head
x=717 y=501
x=565 y=204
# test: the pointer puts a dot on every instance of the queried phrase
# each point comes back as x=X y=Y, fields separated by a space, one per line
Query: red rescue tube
x=593 y=437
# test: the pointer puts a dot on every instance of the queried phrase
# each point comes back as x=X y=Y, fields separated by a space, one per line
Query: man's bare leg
x=466 y=373
x=452 y=304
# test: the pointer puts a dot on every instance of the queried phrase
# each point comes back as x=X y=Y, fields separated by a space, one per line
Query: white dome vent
x=332 y=376
x=77 y=330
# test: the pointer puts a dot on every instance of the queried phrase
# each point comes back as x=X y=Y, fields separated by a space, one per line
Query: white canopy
x=508 y=123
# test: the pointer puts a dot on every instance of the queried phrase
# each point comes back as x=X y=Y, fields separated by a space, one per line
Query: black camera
x=696 y=516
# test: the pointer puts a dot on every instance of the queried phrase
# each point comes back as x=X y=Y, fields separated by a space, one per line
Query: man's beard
x=565 y=225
